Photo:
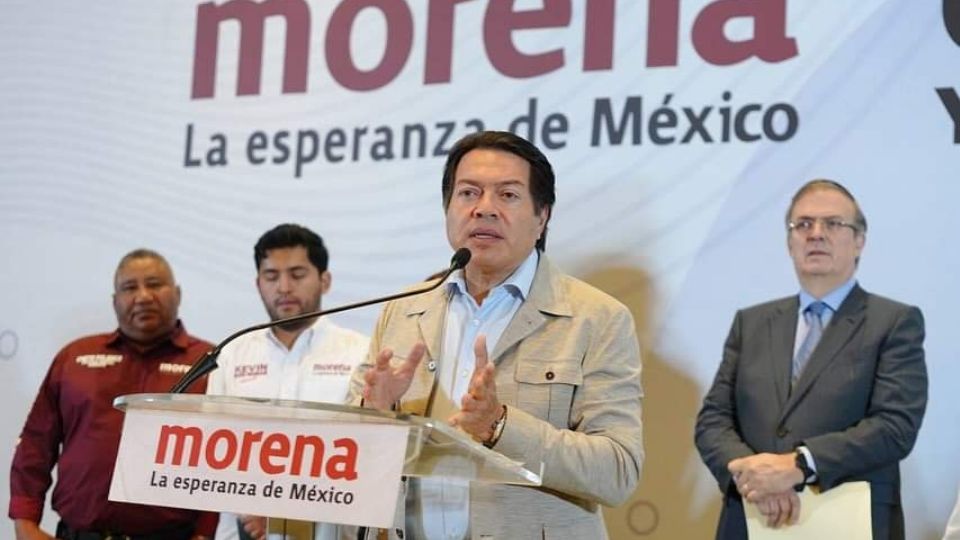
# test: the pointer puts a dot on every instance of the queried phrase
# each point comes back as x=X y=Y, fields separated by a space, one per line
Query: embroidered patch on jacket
x=332 y=369
x=179 y=369
x=249 y=370
x=99 y=360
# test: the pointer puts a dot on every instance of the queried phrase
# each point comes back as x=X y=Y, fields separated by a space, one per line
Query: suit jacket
x=857 y=406
x=568 y=370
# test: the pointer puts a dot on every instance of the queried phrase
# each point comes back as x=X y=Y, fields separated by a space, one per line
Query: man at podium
x=309 y=360
x=74 y=425
x=531 y=362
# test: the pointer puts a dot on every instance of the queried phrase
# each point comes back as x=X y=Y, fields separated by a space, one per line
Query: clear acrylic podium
x=429 y=441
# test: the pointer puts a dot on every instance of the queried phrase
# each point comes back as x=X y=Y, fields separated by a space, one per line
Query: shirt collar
x=518 y=283
x=832 y=299
x=308 y=333
x=178 y=337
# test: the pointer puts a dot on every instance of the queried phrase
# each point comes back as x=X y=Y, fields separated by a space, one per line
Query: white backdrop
x=96 y=105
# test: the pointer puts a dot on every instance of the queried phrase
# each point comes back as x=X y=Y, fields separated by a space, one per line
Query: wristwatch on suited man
x=809 y=476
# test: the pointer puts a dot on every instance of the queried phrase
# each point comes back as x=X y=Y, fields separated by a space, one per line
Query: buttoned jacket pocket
x=545 y=388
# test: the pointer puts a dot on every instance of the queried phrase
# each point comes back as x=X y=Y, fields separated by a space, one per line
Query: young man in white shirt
x=310 y=360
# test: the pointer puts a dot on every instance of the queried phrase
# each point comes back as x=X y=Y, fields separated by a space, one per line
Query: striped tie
x=813 y=315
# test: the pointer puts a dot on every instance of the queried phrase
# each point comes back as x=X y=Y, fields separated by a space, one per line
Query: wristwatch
x=805 y=470
x=497 y=429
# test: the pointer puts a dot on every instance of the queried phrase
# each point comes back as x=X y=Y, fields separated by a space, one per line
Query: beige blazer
x=568 y=369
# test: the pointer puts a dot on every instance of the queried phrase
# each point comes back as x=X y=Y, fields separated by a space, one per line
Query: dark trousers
x=182 y=532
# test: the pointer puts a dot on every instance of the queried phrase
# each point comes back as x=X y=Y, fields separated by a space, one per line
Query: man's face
x=289 y=283
x=821 y=254
x=491 y=211
x=145 y=299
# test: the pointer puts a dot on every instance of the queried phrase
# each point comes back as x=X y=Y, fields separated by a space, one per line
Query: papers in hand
x=842 y=512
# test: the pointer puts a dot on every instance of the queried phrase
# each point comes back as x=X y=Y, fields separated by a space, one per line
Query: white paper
x=842 y=512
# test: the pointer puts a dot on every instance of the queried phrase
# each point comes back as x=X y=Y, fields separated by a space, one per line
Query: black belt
x=64 y=532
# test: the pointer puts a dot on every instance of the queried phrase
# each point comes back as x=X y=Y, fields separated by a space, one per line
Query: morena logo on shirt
x=332 y=369
x=272 y=453
x=251 y=370
x=177 y=369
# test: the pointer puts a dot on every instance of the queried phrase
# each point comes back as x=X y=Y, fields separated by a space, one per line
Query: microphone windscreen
x=460 y=259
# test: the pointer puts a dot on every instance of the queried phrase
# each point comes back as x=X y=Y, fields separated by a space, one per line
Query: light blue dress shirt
x=444 y=502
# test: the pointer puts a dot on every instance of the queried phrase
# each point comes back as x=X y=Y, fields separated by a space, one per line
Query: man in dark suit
x=824 y=387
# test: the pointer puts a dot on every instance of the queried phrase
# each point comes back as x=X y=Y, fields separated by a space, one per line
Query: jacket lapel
x=783 y=330
x=430 y=310
x=843 y=326
x=543 y=300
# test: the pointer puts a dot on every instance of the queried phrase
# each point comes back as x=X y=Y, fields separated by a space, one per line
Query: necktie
x=813 y=315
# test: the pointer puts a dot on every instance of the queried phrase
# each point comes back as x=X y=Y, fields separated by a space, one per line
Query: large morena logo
x=769 y=41
x=271 y=453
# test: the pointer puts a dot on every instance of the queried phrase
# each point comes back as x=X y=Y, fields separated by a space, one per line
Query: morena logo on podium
x=271 y=453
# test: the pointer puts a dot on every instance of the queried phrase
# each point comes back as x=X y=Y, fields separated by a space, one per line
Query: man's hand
x=255 y=526
x=29 y=530
x=384 y=385
x=762 y=475
x=780 y=509
x=479 y=407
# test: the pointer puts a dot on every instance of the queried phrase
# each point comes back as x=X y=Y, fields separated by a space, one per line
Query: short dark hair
x=542 y=179
x=290 y=235
x=859 y=219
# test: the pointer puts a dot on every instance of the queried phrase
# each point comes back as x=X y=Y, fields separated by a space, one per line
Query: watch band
x=805 y=470
x=497 y=428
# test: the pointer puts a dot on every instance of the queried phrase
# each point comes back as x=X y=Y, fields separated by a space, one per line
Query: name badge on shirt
x=249 y=371
x=99 y=360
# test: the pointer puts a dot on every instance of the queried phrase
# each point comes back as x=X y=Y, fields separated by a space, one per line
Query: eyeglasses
x=831 y=225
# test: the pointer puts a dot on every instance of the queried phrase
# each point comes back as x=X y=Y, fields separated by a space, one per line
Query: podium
x=300 y=460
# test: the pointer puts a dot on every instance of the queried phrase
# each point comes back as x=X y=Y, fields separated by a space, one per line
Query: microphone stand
x=208 y=362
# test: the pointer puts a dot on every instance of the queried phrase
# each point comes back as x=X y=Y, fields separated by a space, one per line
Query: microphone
x=208 y=362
